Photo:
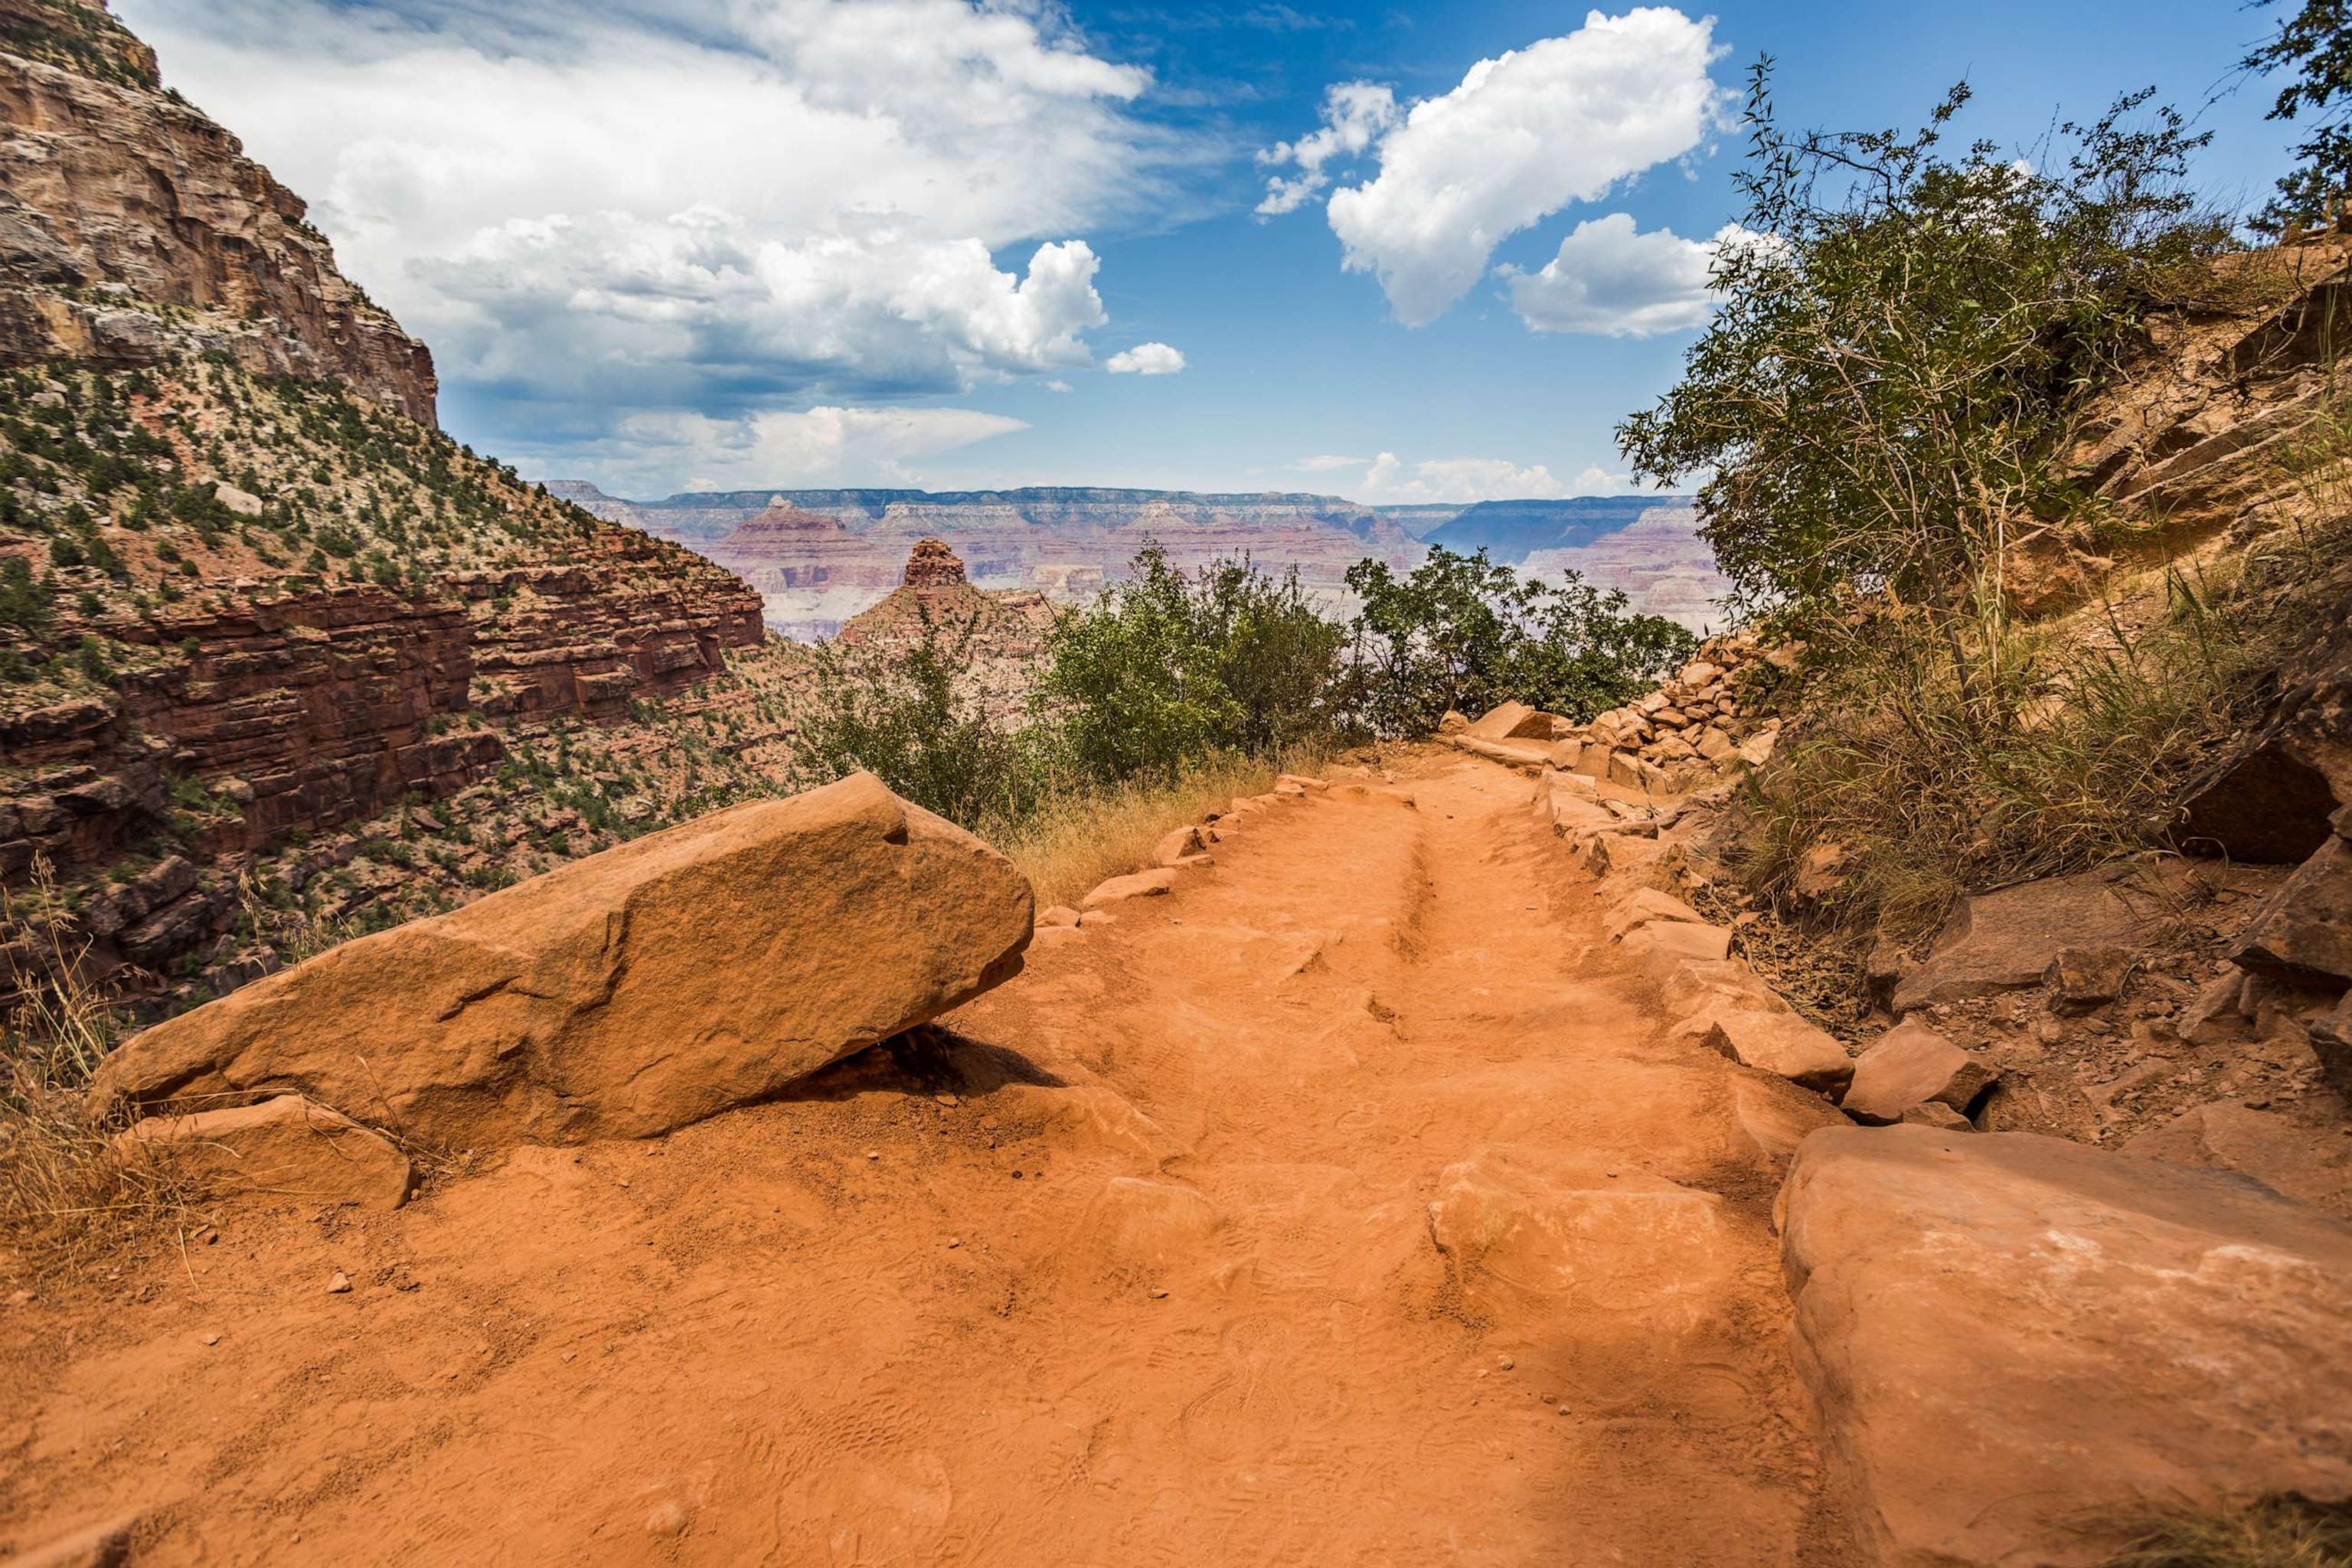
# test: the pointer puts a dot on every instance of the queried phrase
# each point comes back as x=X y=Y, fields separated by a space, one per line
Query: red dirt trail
x=1163 y=1285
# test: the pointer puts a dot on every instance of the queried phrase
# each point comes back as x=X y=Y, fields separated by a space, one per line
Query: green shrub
x=1463 y=632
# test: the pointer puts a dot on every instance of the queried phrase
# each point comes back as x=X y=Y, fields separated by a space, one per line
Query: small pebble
x=212 y=1338
x=340 y=1284
x=1158 y=1295
x=954 y=1242
x=872 y=1155
x=947 y=1100
x=1016 y=1175
x=1563 y=1410
x=1504 y=1363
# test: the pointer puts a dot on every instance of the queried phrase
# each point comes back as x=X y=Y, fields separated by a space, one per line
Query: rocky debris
x=282 y=1147
x=1667 y=742
x=1057 y=915
x=1156 y=883
x=1677 y=941
x=139 y=231
x=2083 y=977
x=1783 y=1044
x=2006 y=1334
x=1527 y=1233
x=2305 y=933
x=932 y=565
x=2007 y=940
x=1777 y=1117
x=628 y=993
x=1644 y=906
x=1935 y=1114
x=1911 y=1066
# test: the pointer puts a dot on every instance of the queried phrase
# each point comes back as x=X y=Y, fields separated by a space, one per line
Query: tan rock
x=1910 y=1065
x=2303 y=933
x=283 y=1147
x=1180 y=845
x=1057 y=915
x=2006 y=940
x=1155 y=883
x=1311 y=785
x=628 y=993
x=1777 y=1116
x=1674 y=941
x=1453 y=723
x=1504 y=721
x=2083 y=977
x=2008 y=1335
x=1783 y=1044
x=2303 y=1163
x=1935 y=1114
x=1714 y=745
x=1644 y=905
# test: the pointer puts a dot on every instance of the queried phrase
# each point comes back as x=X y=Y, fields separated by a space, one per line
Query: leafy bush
x=24 y=603
x=1463 y=632
x=1166 y=669
x=1905 y=347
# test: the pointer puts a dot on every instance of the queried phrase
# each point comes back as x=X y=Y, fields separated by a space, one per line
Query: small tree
x=1905 y=347
x=2317 y=42
x=1463 y=632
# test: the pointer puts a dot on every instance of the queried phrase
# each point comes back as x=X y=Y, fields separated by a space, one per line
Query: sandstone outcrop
x=628 y=993
x=1910 y=1066
x=2006 y=1333
x=284 y=1147
x=133 y=227
x=2008 y=940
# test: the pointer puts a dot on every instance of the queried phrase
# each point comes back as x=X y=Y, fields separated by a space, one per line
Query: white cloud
x=1456 y=480
x=1327 y=462
x=654 y=451
x=1146 y=359
x=1523 y=135
x=1354 y=113
x=1611 y=278
x=665 y=312
x=711 y=205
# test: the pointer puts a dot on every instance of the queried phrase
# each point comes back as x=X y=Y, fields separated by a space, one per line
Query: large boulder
x=626 y=993
x=1512 y=722
x=2006 y=1334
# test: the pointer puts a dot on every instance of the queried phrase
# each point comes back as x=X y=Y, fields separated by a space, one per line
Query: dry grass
x=61 y=1171
x=1081 y=839
x=2275 y=1532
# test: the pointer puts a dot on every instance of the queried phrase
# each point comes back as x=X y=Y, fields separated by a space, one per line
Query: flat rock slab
x=626 y=993
x=2005 y=1333
x=283 y=1147
x=1155 y=883
x=1782 y=1044
x=1529 y=1232
x=2007 y=940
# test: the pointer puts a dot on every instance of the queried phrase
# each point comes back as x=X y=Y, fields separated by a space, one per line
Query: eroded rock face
x=626 y=993
x=107 y=184
x=2006 y=1331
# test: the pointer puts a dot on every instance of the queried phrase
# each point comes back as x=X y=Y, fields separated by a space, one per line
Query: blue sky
x=670 y=244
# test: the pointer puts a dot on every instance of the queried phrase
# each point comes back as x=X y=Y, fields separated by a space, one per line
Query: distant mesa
x=785 y=548
x=932 y=565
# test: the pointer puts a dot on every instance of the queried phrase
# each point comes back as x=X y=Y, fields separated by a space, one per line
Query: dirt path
x=1345 y=1207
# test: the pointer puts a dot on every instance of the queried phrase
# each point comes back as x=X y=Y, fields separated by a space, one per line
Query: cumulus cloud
x=1354 y=114
x=1523 y=135
x=710 y=206
x=1456 y=480
x=1146 y=359
x=699 y=308
x=1611 y=278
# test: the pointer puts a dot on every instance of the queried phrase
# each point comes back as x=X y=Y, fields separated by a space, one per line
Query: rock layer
x=626 y=993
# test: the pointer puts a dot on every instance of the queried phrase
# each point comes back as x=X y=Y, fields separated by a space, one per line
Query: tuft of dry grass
x=60 y=1170
x=1080 y=839
x=2275 y=1532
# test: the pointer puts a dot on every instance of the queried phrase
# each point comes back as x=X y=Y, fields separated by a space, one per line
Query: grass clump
x=2273 y=1532
x=60 y=1169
